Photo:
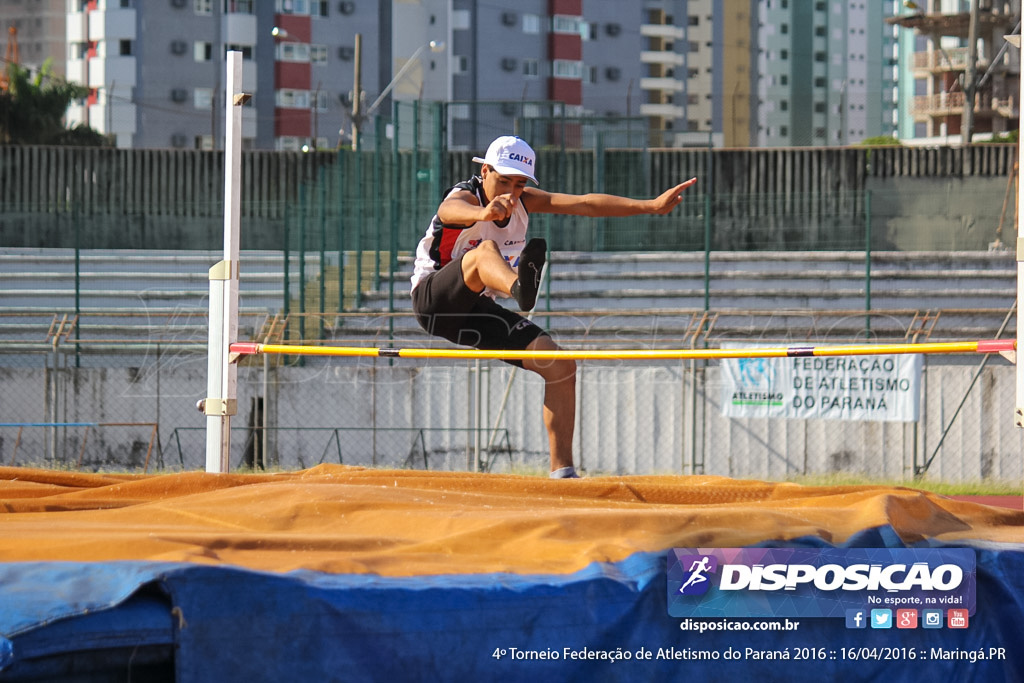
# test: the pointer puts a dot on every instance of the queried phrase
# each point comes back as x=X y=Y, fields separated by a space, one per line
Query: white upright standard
x=221 y=401
x=1018 y=413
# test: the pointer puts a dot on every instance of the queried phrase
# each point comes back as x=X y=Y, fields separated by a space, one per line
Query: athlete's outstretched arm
x=599 y=205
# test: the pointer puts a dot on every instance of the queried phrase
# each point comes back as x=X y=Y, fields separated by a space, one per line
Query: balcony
x=667 y=111
x=951 y=59
x=113 y=24
x=952 y=104
x=77 y=27
x=117 y=118
x=239 y=29
x=76 y=71
x=661 y=84
x=665 y=31
x=662 y=57
x=119 y=70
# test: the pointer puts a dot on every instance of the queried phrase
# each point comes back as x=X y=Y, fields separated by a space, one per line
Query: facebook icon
x=856 y=618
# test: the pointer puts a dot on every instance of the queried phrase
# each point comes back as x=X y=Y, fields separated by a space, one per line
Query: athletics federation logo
x=695 y=580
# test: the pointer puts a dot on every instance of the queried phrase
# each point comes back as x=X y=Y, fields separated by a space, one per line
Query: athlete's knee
x=475 y=262
x=485 y=250
x=561 y=370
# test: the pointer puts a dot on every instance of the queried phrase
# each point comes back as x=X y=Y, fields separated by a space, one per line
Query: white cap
x=509 y=155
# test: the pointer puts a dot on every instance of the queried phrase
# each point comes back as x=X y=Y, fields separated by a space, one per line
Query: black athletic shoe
x=531 y=263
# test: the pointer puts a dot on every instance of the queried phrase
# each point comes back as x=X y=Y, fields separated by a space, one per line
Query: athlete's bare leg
x=559 y=400
x=485 y=267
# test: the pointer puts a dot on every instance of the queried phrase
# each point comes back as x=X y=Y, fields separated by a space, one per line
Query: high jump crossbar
x=1002 y=346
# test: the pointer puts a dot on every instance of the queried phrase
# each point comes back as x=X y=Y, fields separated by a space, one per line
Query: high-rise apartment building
x=722 y=72
x=826 y=72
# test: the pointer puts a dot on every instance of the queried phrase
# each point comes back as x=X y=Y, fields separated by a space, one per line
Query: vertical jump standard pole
x=221 y=400
x=1018 y=413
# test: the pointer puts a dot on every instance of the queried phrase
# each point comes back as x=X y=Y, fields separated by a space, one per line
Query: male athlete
x=475 y=250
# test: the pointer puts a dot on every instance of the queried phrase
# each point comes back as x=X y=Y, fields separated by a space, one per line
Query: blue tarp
x=231 y=624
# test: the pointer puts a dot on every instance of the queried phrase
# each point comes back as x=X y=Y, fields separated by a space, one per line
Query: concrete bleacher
x=590 y=296
x=950 y=295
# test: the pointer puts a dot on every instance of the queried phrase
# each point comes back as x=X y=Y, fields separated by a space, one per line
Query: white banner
x=880 y=388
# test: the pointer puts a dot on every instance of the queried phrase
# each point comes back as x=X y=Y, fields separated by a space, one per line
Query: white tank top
x=443 y=244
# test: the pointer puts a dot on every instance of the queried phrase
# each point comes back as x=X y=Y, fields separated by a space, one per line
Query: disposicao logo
x=750 y=582
x=697 y=581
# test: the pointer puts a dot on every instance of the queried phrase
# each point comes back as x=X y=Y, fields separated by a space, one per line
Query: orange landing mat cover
x=341 y=519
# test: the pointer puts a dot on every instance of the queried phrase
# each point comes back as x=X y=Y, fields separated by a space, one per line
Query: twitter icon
x=881 y=618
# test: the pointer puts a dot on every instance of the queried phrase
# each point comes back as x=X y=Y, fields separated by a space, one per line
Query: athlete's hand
x=670 y=199
x=499 y=208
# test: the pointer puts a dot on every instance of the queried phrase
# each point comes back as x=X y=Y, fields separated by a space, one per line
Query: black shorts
x=446 y=307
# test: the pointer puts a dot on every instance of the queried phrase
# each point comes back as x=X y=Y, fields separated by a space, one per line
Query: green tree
x=32 y=110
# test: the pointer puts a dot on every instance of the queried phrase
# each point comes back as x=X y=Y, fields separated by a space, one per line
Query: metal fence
x=133 y=409
x=382 y=197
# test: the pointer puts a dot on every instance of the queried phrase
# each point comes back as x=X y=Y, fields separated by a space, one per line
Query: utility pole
x=357 y=92
x=970 y=77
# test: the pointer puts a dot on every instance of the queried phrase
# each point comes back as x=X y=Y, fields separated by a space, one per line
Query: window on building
x=292 y=52
x=531 y=23
x=531 y=67
x=693 y=20
x=203 y=98
x=561 y=23
x=292 y=6
x=125 y=48
x=784 y=28
x=203 y=6
x=203 y=52
x=238 y=6
x=318 y=54
x=292 y=99
x=320 y=8
x=566 y=68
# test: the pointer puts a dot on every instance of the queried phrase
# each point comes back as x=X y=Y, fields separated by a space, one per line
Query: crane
x=10 y=57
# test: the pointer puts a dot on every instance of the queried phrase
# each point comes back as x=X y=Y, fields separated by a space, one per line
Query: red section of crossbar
x=996 y=345
x=245 y=348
